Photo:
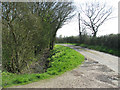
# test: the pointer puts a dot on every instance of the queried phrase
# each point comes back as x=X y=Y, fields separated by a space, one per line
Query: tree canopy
x=29 y=31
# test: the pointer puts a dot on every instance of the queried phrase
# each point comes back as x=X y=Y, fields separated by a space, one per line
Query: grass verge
x=102 y=49
x=62 y=59
x=115 y=52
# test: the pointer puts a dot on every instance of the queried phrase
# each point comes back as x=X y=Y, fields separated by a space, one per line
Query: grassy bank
x=62 y=59
x=115 y=52
x=102 y=49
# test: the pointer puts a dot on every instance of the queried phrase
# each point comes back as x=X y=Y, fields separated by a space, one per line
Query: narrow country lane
x=103 y=58
x=100 y=70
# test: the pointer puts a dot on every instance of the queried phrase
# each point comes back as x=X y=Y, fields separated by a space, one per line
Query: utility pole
x=79 y=27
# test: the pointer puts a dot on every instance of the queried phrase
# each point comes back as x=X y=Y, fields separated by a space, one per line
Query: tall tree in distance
x=94 y=14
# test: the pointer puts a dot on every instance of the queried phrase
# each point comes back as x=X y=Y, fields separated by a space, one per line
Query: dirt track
x=91 y=74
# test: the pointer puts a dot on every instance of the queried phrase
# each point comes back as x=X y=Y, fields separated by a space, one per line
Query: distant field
x=62 y=59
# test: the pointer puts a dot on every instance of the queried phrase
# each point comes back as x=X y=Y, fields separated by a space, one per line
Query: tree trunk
x=52 y=41
x=51 y=45
x=15 y=60
x=94 y=34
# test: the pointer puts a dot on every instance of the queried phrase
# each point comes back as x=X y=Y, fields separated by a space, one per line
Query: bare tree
x=94 y=14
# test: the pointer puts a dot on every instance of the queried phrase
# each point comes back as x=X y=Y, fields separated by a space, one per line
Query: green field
x=62 y=59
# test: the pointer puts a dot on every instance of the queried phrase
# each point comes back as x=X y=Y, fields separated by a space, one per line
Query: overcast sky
x=109 y=27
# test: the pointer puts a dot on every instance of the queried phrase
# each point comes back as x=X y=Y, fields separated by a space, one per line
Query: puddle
x=76 y=73
x=105 y=78
x=104 y=68
x=91 y=62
